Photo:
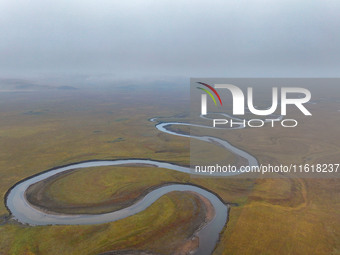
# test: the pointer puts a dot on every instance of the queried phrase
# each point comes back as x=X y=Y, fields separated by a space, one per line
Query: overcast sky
x=170 y=38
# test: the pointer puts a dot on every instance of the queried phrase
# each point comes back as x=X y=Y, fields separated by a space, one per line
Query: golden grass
x=100 y=189
x=265 y=228
x=162 y=227
x=274 y=216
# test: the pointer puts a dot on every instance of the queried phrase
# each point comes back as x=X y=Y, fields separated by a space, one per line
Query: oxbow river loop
x=26 y=213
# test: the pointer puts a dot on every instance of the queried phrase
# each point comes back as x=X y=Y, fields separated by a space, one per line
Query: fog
x=150 y=38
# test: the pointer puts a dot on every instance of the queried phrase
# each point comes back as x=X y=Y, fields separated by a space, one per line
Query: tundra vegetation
x=42 y=130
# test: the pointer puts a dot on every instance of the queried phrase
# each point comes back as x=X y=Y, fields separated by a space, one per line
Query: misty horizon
x=168 y=40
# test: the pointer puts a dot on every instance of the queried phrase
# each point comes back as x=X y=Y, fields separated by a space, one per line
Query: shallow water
x=25 y=213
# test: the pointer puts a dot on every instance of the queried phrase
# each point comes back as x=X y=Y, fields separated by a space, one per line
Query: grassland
x=273 y=216
x=171 y=221
x=100 y=189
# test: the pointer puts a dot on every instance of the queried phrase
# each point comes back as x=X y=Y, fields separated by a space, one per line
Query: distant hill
x=18 y=85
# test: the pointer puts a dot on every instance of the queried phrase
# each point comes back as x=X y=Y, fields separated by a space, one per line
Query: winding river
x=26 y=213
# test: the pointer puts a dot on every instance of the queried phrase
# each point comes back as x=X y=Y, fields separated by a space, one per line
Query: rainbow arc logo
x=209 y=93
